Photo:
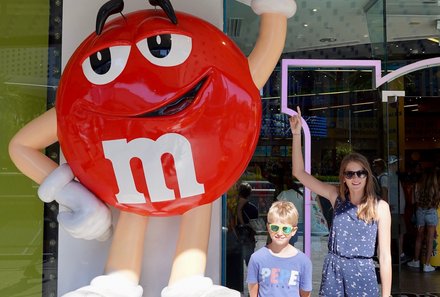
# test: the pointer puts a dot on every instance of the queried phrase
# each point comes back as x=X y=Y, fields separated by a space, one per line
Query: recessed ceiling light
x=435 y=40
x=328 y=39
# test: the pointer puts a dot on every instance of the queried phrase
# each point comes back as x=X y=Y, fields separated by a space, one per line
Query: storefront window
x=344 y=110
x=29 y=59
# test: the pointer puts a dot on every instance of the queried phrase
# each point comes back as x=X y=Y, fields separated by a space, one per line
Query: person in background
x=294 y=195
x=359 y=215
x=240 y=238
x=427 y=198
x=246 y=211
x=397 y=203
x=279 y=269
x=379 y=169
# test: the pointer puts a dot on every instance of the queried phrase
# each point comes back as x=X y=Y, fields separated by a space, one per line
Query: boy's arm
x=252 y=279
x=306 y=279
x=253 y=290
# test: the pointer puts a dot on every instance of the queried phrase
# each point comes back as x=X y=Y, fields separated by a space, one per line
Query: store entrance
x=413 y=132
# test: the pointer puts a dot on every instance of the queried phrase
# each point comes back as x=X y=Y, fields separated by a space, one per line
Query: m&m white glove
x=286 y=7
x=81 y=214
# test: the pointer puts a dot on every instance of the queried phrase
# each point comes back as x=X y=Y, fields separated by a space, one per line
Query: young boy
x=279 y=269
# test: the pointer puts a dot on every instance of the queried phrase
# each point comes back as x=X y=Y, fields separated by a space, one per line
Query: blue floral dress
x=348 y=268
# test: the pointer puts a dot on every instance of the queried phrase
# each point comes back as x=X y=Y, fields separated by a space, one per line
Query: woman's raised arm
x=322 y=189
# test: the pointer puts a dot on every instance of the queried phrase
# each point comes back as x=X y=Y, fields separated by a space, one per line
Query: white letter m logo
x=120 y=152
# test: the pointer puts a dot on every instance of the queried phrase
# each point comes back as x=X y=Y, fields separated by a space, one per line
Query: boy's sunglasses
x=287 y=229
x=359 y=173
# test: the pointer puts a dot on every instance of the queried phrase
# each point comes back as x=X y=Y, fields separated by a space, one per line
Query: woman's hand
x=295 y=122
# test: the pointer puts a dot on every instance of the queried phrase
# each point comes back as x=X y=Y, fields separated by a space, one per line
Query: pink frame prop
x=377 y=81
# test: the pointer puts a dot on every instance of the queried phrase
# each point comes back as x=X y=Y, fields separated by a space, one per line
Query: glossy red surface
x=221 y=121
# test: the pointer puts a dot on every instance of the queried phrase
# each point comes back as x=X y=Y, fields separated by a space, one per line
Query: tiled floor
x=416 y=283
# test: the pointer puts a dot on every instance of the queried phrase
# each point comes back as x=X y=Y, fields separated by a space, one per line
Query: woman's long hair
x=367 y=207
x=427 y=190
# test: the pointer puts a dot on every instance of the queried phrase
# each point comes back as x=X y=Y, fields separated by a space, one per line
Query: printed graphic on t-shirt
x=279 y=276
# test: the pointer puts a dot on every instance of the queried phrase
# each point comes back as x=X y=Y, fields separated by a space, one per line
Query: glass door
x=413 y=151
x=411 y=133
x=392 y=186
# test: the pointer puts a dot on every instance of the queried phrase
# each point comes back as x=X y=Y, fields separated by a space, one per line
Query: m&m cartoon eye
x=106 y=65
x=166 y=49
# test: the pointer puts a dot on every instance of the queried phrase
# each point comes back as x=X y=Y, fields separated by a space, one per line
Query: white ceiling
x=74 y=32
x=337 y=23
x=334 y=24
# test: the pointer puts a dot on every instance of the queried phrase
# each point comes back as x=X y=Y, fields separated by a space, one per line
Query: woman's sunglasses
x=287 y=229
x=359 y=173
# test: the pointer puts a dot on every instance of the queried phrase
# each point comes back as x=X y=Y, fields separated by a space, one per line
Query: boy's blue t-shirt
x=279 y=277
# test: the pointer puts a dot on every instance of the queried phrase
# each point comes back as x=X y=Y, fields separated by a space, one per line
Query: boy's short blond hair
x=284 y=212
